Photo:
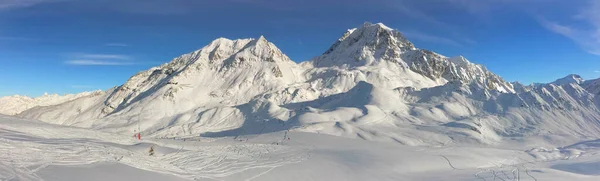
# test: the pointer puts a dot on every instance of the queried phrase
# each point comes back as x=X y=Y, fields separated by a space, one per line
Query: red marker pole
x=139 y=136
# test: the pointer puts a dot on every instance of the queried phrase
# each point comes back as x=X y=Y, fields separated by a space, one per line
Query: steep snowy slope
x=378 y=49
x=519 y=87
x=592 y=86
x=230 y=72
x=371 y=84
x=12 y=105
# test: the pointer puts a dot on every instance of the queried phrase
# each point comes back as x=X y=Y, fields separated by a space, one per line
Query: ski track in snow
x=25 y=155
x=498 y=170
x=42 y=146
x=260 y=174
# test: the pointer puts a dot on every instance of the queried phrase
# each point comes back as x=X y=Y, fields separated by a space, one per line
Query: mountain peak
x=381 y=46
x=460 y=60
x=364 y=46
x=226 y=51
x=220 y=41
x=262 y=38
x=230 y=53
x=241 y=62
x=377 y=25
x=377 y=31
x=571 y=78
x=259 y=42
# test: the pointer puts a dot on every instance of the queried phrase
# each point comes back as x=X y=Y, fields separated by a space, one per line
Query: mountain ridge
x=15 y=104
x=248 y=86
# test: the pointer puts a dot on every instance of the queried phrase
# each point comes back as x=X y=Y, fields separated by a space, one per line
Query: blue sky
x=69 y=46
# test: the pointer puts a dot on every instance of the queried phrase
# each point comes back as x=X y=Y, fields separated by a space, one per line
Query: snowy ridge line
x=12 y=105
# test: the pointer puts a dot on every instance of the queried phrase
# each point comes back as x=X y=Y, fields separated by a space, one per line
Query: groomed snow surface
x=37 y=151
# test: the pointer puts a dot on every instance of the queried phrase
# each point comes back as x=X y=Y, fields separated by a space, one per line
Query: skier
x=151 y=151
x=286 y=134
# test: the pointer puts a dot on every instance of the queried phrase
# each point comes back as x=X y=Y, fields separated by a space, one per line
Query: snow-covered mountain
x=12 y=105
x=592 y=86
x=372 y=83
x=378 y=47
x=226 y=72
x=571 y=78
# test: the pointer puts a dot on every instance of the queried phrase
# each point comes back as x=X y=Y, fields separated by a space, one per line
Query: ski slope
x=39 y=151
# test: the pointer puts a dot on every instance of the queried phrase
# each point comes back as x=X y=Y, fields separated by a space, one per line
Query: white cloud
x=576 y=20
x=6 y=4
x=99 y=59
x=584 y=28
x=97 y=62
x=12 y=4
x=596 y=71
x=103 y=56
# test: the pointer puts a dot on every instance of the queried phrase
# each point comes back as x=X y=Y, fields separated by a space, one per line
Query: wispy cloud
x=453 y=34
x=405 y=7
x=581 y=25
x=12 y=4
x=583 y=29
x=99 y=59
x=596 y=71
x=116 y=45
x=103 y=56
x=587 y=39
x=6 y=4
x=413 y=35
x=97 y=62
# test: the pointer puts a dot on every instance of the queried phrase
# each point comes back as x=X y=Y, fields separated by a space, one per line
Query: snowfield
x=372 y=107
x=38 y=151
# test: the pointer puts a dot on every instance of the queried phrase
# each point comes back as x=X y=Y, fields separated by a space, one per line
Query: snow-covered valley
x=372 y=107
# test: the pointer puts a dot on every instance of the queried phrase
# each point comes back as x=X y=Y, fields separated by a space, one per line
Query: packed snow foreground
x=372 y=107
